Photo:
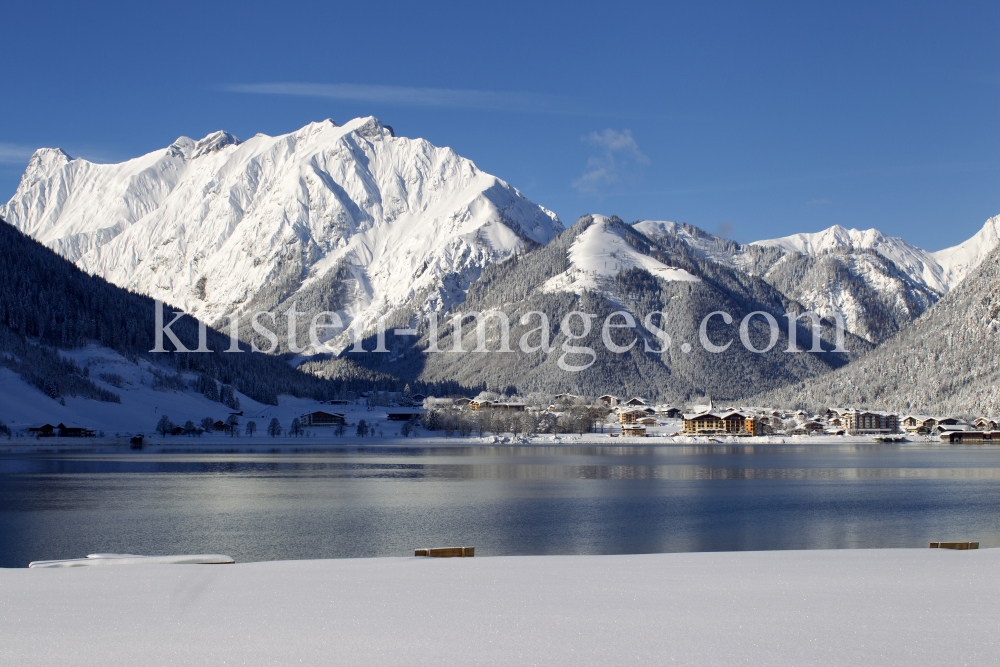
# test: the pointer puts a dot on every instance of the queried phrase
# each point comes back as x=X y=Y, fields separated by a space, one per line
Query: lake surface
x=504 y=500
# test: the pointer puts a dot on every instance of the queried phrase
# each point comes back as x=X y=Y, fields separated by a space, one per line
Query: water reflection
x=372 y=501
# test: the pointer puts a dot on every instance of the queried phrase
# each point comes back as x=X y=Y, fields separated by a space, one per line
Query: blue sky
x=755 y=120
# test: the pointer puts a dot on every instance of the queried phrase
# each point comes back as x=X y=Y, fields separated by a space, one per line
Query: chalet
x=608 y=399
x=479 y=405
x=462 y=402
x=46 y=431
x=984 y=424
x=566 y=398
x=74 y=432
x=637 y=401
x=919 y=423
x=320 y=418
x=631 y=430
x=647 y=421
x=403 y=414
x=220 y=427
x=812 y=427
x=952 y=424
x=418 y=398
x=668 y=411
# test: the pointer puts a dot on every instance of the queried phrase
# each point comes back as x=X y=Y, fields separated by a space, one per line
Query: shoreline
x=178 y=445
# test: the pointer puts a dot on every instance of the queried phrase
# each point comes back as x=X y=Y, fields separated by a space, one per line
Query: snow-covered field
x=854 y=607
x=23 y=405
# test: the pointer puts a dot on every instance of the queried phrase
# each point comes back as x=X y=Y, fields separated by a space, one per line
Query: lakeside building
x=722 y=423
x=320 y=418
x=971 y=436
x=856 y=422
x=49 y=431
x=918 y=423
x=630 y=416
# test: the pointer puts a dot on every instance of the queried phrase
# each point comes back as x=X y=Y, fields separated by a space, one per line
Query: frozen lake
x=505 y=500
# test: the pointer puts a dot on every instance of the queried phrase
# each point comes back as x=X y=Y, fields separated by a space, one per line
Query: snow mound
x=130 y=559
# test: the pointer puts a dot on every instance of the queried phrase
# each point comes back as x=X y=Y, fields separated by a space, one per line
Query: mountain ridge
x=209 y=224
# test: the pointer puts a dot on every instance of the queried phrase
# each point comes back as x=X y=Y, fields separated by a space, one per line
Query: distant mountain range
x=355 y=220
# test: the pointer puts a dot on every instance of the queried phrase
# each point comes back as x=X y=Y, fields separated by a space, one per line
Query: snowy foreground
x=855 y=607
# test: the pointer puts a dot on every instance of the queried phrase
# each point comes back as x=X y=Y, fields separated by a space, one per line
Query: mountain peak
x=215 y=141
x=45 y=156
x=369 y=126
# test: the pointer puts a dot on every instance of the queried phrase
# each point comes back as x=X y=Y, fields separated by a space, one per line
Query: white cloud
x=15 y=154
x=617 y=162
x=414 y=97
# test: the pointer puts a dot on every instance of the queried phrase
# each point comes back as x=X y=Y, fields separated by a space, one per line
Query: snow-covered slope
x=957 y=262
x=602 y=252
x=705 y=245
x=210 y=225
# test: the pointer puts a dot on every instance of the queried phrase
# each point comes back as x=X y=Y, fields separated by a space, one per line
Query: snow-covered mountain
x=365 y=219
x=601 y=266
x=939 y=271
x=878 y=282
x=947 y=362
x=602 y=252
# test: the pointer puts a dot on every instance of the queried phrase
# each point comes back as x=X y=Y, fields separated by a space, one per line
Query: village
x=402 y=414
